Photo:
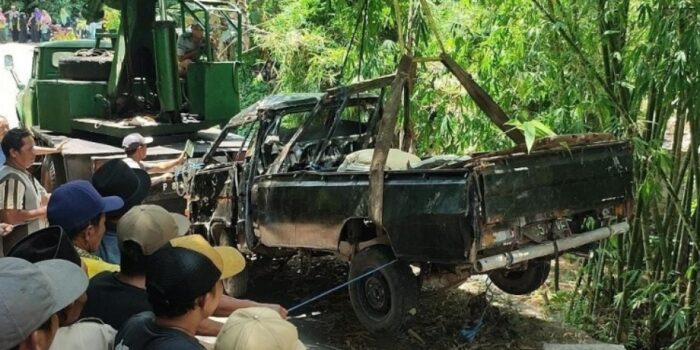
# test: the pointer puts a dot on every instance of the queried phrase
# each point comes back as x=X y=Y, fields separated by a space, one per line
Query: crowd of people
x=37 y=25
x=89 y=266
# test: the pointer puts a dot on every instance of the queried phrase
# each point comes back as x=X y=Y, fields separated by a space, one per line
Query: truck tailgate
x=555 y=182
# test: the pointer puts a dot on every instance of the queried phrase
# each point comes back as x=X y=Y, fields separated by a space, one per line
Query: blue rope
x=340 y=286
x=470 y=333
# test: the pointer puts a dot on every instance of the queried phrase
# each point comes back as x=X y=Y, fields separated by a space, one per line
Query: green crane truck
x=95 y=92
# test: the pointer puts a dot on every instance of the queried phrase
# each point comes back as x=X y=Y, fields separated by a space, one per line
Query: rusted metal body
x=454 y=214
x=284 y=189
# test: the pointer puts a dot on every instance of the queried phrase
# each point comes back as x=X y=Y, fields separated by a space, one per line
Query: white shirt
x=86 y=334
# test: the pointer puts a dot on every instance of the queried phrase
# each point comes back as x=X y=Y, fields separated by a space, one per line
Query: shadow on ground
x=330 y=323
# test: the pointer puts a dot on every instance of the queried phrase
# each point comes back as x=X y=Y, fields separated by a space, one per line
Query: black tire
x=237 y=285
x=85 y=68
x=520 y=282
x=385 y=300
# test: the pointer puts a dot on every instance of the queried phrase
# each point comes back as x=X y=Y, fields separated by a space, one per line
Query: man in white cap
x=258 y=328
x=30 y=297
x=136 y=148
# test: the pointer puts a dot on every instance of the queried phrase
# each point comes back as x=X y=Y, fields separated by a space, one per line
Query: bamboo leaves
x=532 y=129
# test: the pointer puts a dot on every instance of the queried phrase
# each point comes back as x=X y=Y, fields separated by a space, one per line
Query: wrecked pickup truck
x=297 y=182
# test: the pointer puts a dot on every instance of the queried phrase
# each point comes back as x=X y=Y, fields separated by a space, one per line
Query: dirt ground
x=510 y=322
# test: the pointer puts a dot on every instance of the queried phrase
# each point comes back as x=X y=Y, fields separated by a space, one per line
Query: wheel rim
x=376 y=295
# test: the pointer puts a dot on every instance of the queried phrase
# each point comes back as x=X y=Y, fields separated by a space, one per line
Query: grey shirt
x=185 y=44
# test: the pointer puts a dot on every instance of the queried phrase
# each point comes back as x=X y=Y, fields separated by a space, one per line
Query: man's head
x=184 y=276
x=46 y=244
x=197 y=31
x=80 y=210
x=258 y=328
x=142 y=231
x=4 y=127
x=18 y=147
x=30 y=297
x=13 y=7
x=116 y=178
x=136 y=146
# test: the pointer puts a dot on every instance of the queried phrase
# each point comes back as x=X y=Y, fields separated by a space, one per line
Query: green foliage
x=112 y=19
x=532 y=129
x=631 y=68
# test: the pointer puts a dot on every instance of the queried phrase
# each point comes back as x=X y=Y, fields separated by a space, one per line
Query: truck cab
x=31 y=104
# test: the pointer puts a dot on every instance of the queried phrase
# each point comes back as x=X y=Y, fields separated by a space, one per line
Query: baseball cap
x=116 y=178
x=151 y=227
x=134 y=140
x=187 y=267
x=31 y=293
x=258 y=328
x=45 y=244
x=75 y=203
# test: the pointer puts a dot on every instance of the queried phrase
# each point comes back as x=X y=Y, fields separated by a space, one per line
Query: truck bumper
x=534 y=251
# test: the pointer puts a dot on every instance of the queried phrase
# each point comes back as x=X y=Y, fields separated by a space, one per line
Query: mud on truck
x=287 y=174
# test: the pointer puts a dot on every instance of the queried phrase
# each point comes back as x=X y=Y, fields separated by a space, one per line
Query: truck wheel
x=385 y=300
x=519 y=282
x=237 y=285
x=85 y=68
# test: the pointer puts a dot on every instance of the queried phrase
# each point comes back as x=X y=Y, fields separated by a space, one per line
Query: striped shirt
x=19 y=190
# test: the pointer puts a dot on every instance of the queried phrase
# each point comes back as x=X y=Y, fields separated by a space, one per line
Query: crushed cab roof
x=282 y=101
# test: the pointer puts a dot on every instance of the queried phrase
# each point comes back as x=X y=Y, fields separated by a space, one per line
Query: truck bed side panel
x=556 y=183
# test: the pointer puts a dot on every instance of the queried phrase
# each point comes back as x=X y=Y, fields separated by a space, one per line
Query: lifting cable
x=362 y=39
x=319 y=296
x=360 y=19
x=432 y=25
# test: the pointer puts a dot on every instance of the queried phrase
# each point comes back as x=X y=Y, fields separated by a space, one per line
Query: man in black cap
x=116 y=178
x=183 y=283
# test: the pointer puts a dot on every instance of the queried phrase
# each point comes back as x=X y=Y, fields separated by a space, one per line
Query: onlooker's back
x=115 y=297
x=114 y=301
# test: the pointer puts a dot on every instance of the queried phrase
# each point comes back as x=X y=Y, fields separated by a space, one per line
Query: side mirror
x=10 y=66
x=9 y=62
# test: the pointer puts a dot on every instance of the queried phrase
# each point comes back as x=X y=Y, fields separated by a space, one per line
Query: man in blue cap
x=80 y=210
